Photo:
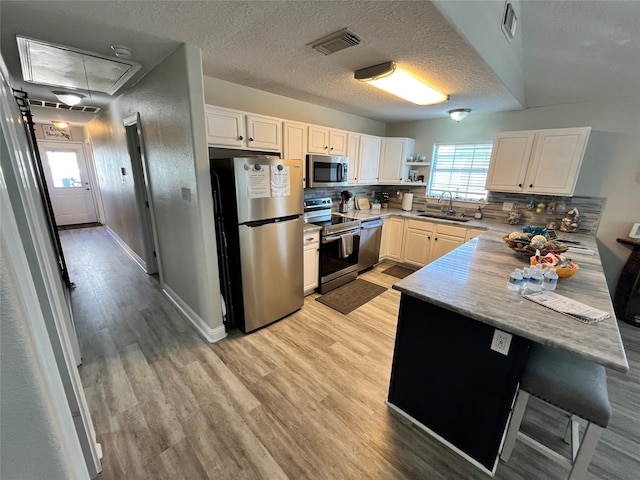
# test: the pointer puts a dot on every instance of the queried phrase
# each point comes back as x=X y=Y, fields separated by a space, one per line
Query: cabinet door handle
x=251 y=139
x=531 y=185
x=428 y=237
x=240 y=138
x=326 y=147
x=436 y=239
x=520 y=185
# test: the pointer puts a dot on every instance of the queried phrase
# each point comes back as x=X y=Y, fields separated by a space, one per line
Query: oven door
x=339 y=254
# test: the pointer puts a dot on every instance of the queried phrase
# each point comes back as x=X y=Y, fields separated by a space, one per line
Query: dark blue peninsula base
x=446 y=379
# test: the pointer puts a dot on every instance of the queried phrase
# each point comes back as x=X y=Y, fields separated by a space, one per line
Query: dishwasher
x=370 y=235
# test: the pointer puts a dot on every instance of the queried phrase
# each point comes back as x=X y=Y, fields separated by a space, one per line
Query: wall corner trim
x=210 y=335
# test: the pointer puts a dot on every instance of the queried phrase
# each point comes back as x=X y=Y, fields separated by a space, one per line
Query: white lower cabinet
x=311 y=261
x=418 y=237
x=392 y=239
x=418 y=243
x=447 y=238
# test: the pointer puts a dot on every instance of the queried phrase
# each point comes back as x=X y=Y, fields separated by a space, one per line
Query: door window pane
x=64 y=169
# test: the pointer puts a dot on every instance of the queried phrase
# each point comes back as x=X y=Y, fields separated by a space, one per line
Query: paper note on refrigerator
x=280 y=181
x=258 y=182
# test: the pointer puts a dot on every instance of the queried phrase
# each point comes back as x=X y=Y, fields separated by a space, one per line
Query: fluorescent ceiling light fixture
x=387 y=76
x=459 y=114
x=60 y=124
x=66 y=67
x=69 y=98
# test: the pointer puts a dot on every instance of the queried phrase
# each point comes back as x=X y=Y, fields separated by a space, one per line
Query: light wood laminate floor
x=301 y=399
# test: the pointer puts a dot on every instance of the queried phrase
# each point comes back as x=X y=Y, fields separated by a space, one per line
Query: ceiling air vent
x=336 y=41
x=62 y=106
x=509 y=22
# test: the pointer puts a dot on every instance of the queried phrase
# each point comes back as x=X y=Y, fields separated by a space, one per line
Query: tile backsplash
x=590 y=207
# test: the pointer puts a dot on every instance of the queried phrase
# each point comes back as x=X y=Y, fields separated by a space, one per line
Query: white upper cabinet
x=369 y=158
x=327 y=141
x=318 y=140
x=294 y=141
x=337 y=142
x=509 y=161
x=556 y=161
x=537 y=161
x=393 y=153
x=294 y=144
x=353 y=152
x=264 y=133
x=231 y=128
x=224 y=127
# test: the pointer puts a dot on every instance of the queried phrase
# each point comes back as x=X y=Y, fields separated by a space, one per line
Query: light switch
x=507 y=206
x=186 y=194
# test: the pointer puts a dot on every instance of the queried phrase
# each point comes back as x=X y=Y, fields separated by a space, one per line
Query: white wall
x=479 y=22
x=171 y=106
x=225 y=94
x=38 y=438
x=611 y=166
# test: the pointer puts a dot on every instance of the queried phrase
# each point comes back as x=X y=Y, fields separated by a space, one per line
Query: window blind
x=460 y=169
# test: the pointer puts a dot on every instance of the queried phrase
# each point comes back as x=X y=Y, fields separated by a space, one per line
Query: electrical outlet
x=507 y=206
x=186 y=194
x=501 y=342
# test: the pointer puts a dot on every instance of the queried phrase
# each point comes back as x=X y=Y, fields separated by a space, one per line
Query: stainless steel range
x=339 y=243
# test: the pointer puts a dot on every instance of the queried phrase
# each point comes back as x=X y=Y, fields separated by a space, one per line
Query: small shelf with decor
x=422 y=169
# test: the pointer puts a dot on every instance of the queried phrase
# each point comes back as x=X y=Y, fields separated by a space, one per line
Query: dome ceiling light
x=459 y=114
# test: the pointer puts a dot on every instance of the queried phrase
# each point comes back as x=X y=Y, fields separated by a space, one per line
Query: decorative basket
x=523 y=248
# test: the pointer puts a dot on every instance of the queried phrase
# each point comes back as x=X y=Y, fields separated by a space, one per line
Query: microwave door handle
x=340 y=173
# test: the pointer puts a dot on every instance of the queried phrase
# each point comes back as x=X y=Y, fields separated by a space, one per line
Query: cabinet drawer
x=452 y=230
x=420 y=225
x=311 y=238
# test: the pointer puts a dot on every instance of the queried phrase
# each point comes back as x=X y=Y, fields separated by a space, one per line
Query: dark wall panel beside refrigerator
x=258 y=204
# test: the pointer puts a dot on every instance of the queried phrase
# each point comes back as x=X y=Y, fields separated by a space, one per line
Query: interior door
x=67 y=175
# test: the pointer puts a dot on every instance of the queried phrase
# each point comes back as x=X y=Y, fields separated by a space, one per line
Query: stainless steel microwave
x=327 y=171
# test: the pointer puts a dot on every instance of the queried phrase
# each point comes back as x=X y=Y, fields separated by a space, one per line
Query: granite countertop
x=310 y=227
x=472 y=280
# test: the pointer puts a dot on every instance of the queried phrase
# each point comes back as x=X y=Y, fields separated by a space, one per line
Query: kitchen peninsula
x=445 y=375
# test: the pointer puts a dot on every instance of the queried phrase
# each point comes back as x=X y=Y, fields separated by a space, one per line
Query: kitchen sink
x=445 y=217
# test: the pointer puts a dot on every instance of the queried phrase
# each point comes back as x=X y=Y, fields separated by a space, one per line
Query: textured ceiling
x=263 y=44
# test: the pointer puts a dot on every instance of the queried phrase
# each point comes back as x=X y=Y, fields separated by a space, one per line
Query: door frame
x=142 y=187
x=42 y=147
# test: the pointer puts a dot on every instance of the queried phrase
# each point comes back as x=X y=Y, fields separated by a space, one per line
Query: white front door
x=65 y=168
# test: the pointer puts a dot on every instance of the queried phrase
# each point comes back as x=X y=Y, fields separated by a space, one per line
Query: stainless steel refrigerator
x=258 y=203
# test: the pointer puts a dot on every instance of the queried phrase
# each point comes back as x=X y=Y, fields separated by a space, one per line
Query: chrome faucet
x=450 y=211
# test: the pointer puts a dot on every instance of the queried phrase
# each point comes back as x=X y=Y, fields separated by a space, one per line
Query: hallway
x=301 y=399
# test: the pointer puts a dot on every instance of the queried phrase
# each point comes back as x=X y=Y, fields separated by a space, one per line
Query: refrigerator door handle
x=259 y=223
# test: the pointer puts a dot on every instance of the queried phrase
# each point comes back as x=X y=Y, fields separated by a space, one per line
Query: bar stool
x=575 y=385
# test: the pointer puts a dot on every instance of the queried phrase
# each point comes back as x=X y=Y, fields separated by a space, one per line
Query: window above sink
x=460 y=168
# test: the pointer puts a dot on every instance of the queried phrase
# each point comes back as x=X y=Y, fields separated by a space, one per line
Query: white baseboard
x=136 y=258
x=209 y=334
